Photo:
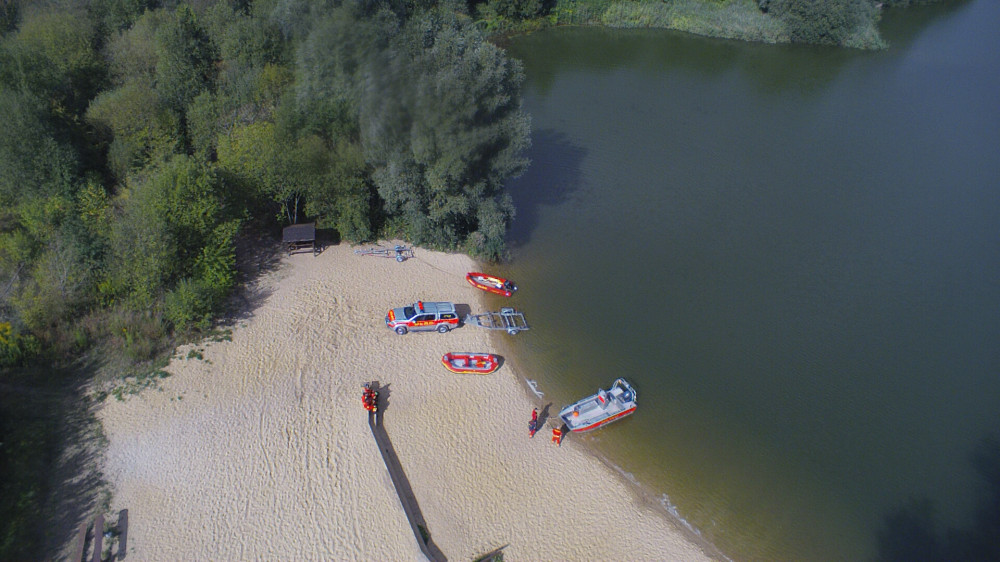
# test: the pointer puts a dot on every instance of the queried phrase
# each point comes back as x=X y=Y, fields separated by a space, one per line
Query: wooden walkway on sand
x=402 y=485
x=119 y=534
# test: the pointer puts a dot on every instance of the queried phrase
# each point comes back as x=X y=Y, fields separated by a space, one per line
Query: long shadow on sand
x=402 y=484
x=76 y=488
x=543 y=416
x=383 y=400
x=256 y=256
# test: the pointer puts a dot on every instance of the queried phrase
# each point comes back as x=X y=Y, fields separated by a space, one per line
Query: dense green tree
x=136 y=126
x=831 y=22
x=244 y=41
x=215 y=265
x=93 y=207
x=164 y=223
x=117 y=15
x=902 y=3
x=301 y=176
x=252 y=75
x=141 y=252
x=54 y=285
x=9 y=11
x=27 y=70
x=33 y=162
x=132 y=52
x=15 y=348
x=203 y=123
x=444 y=131
x=439 y=117
x=251 y=155
x=189 y=305
x=184 y=65
x=343 y=198
x=514 y=9
x=65 y=40
x=294 y=18
x=331 y=66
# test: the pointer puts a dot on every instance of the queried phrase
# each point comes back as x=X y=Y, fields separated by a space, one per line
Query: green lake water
x=793 y=253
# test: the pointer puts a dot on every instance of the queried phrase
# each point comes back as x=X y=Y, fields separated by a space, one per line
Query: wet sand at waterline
x=260 y=450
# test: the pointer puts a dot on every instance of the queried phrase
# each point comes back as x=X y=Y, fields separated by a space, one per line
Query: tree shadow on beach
x=554 y=174
x=256 y=256
x=909 y=533
x=326 y=237
x=77 y=489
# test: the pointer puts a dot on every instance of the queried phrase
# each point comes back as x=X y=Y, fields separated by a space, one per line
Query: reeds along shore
x=829 y=22
x=261 y=449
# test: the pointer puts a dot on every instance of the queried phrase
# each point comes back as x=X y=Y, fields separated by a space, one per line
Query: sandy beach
x=260 y=449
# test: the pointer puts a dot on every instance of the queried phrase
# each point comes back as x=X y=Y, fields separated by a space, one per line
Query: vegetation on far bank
x=847 y=23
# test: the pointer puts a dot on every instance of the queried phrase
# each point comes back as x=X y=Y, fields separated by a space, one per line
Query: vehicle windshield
x=408 y=312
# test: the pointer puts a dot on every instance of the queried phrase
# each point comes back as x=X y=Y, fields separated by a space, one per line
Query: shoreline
x=744 y=21
x=259 y=448
x=642 y=492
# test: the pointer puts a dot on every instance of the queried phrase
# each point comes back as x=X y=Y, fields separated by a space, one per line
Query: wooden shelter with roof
x=300 y=238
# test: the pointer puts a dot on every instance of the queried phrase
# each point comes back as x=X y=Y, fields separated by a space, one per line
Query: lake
x=793 y=253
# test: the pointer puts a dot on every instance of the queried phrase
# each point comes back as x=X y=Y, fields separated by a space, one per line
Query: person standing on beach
x=533 y=424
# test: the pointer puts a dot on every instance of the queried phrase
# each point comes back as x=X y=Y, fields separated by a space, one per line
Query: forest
x=148 y=144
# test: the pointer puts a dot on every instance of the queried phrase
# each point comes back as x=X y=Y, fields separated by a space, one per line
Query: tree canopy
x=142 y=138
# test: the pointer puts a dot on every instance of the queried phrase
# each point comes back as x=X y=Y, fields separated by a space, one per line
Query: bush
x=828 y=22
x=189 y=306
x=140 y=336
x=15 y=348
x=516 y=9
x=215 y=267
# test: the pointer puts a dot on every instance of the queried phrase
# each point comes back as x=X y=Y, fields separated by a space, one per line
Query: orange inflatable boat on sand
x=471 y=363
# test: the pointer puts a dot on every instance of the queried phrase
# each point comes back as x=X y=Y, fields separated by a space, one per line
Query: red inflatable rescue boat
x=471 y=363
x=490 y=283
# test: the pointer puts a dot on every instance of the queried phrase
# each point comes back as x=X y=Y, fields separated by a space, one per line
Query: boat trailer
x=401 y=253
x=506 y=319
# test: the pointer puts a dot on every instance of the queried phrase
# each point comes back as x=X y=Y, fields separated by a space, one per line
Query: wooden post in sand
x=98 y=537
x=80 y=543
x=122 y=527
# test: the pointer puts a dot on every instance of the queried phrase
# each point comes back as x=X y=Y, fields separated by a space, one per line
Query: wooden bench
x=80 y=542
x=122 y=526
